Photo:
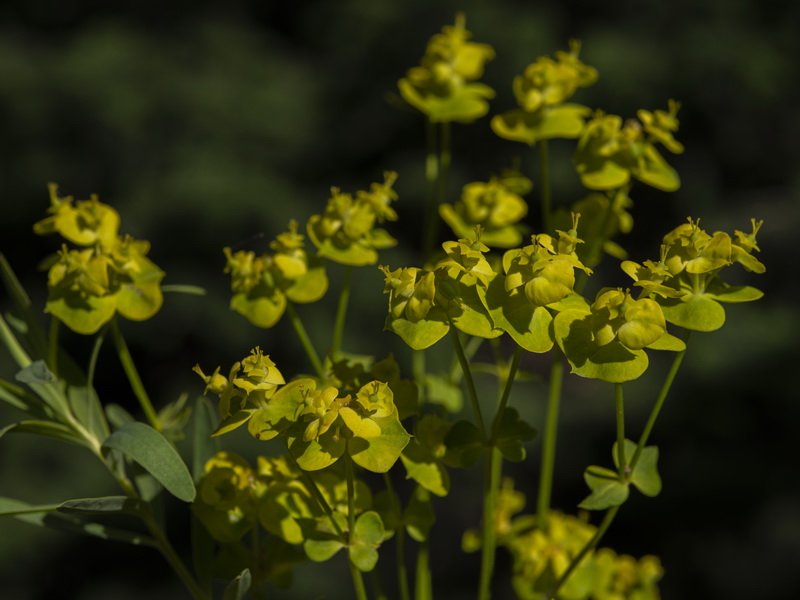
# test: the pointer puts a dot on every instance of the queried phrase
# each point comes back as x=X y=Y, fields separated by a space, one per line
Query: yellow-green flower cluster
x=611 y=152
x=111 y=274
x=346 y=232
x=444 y=86
x=262 y=285
x=545 y=270
x=541 y=92
x=227 y=499
x=492 y=205
x=634 y=323
x=248 y=388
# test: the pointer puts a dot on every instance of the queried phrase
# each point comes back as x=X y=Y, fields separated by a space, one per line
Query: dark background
x=206 y=124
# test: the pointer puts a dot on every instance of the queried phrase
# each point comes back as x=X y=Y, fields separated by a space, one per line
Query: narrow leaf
x=102 y=506
x=238 y=588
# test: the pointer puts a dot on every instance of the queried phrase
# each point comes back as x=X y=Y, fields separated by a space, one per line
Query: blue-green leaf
x=154 y=453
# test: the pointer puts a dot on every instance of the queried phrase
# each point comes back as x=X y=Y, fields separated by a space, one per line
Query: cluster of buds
x=262 y=285
x=444 y=86
x=346 y=232
x=110 y=274
x=541 y=92
x=611 y=152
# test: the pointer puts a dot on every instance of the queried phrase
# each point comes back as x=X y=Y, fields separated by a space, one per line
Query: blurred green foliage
x=208 y=125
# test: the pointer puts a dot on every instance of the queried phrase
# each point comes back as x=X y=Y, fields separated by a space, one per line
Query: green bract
x=443 y=87
x=346 y=233
x=541 y=92
x=113 y=274
x=263 y=285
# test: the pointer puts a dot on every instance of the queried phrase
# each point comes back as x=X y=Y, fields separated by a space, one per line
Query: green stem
x=590 y=545
x=133 y=376
x=501 y=407
x=544 y=187
x=662 y=396
x=620 y=410
x=444 y=162
x=469 y=351
x=431 y=177
x=422 y=584
x=491 y=482
x=473 y=394
x=305 y=340
x=173 y=559
x=358 y=580
x=52 y=346
x=549 y=443
x=400 y=543
x=491 y=476
x=341 y=313
x=90 y=396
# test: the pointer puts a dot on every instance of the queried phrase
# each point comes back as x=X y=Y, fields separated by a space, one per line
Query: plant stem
x=305 y=340
x=422 y=584
x=473 y=394
x=491 y=475
x=549 y=443
x=544 y=185
x=590 y=545
x=491 y=482
x=341 y=313
x=52 y=346
x=470 y=349
x=358 y=580
x=662 y=396
x=620 y=410
x=90 y=397
x=400 y=543
x=133 y=376
x=173 y=559
x=431 y=176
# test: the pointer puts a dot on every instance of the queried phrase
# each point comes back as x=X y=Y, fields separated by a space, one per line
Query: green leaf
x=141 y=298
x=723 y=292
x=238 y=588
x=280 y=411
x=82 y=314
x=367 y=535
x=466 y=442
x=46 y=517
x=311 y=286
x=612 y=362
x=19 y=398
x=698 y=312
x=152 y=451
x=512 y=312
x=318 y=454
x=203 y=445
x=425 y=469
x=379 y=454
x=511 y=432
x=418 y=516
x=607 y=489
x=232 y=421
x=565 y=121
x=36 y=372
x=192 y=290
x=49 y=429
x=102 y=506
x=422 y=334
x=263 y=306
x=470 y=315
x=655 y=171
x=668 y=342
x=645 y=476
x=440 y=390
